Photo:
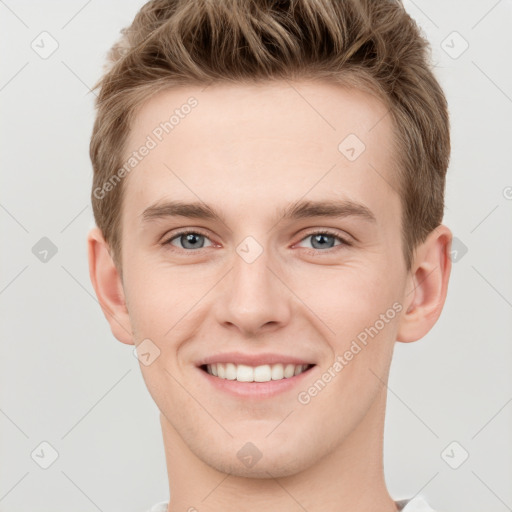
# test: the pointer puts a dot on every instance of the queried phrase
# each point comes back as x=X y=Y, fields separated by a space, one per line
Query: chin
x=261 y=459
x=277 y=468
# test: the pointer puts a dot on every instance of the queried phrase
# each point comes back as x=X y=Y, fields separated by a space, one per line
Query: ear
x=108 y=286
x=427 y=285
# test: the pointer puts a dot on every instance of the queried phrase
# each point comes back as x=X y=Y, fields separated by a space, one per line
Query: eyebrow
x=300 y=209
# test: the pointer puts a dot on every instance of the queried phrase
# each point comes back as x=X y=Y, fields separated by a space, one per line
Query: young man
x=268 y=189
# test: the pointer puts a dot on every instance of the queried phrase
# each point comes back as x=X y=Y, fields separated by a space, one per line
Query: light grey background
x=67 y=381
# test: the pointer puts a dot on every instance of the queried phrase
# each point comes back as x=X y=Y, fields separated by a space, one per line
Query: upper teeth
x=263 y=373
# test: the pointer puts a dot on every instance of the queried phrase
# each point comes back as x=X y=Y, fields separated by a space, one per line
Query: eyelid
x=345 y=240
x=170 y=236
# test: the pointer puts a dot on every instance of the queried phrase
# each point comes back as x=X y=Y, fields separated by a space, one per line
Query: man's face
x=257 y=282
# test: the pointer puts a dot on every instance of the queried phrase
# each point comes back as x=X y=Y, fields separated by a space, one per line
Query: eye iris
x=191 y=238
x=321 y=237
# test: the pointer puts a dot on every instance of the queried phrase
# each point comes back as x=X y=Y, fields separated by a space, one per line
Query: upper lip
x=252 y=359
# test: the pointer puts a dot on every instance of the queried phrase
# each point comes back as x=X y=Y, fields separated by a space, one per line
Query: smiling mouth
x=262 y=373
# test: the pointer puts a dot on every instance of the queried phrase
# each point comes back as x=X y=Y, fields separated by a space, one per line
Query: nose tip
x=254 y=299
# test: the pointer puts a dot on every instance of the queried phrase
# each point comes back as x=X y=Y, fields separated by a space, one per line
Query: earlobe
x=427 y=286
x=108 y=286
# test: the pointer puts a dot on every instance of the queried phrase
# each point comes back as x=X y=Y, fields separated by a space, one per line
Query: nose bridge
x=254 y=298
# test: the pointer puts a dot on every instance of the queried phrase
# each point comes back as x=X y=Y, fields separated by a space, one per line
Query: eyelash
x=314 y=251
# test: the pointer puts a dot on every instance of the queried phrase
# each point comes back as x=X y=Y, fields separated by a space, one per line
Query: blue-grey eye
x=324 y=240
x=189 y=240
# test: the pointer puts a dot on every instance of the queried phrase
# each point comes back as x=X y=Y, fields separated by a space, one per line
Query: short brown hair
x=372 y=45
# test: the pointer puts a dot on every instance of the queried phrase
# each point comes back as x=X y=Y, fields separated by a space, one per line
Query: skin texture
x=247 y=151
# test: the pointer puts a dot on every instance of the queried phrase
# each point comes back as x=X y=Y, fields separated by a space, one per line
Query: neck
x=349 y=478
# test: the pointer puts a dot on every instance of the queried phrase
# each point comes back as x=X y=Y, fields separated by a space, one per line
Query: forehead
x=261 y=144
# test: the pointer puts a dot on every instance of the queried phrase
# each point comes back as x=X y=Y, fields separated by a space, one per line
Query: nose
x=254 y=297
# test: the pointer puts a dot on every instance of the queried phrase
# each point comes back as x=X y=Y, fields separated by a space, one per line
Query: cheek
x=360 y=309
x=365 y=321
x=347 y=298
x=160 y=293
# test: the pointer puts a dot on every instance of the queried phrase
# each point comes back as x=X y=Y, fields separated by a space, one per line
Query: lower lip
x=256 y=389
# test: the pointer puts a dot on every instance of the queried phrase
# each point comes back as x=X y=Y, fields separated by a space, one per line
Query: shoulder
x=159 y=507
x=416 y=504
